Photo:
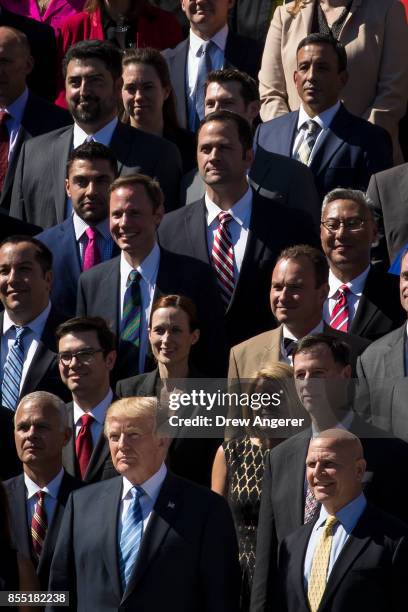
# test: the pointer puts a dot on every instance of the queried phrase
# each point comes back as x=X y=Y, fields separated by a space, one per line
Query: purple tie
x=92 y=255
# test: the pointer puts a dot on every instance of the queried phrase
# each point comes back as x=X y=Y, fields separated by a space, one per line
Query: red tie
x=92 y=254
x=83 y=443
x=340 y=314
x=223 y=257
x=39 y=525
x=4 y=146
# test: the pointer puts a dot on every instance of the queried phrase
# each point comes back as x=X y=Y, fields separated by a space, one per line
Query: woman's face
x=170 y=336
x=143 y=95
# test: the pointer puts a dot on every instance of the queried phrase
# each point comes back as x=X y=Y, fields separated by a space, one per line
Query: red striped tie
x=340 y=314
x=223 y=257
x=39 y=525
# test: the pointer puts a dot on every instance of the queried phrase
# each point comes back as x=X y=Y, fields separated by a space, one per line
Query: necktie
x=83 y=443
x=320 y=565
x=311 y=505
x=340 y=314
x=204 y=67
x=223 y=258
x=4 y=146
x=306 y=146
x=39 y=525
x=289 y=346
x=13 y=368
x=132 y=308
x=92 y=255
x=131 y=536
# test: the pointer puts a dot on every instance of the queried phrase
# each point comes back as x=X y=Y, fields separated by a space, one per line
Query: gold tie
x=320 y=565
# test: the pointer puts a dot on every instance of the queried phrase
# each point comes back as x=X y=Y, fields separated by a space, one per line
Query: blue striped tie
x=131 y=536
x=13 y=368
x=132 y=307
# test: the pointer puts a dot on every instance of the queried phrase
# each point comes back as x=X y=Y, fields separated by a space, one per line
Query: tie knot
x=91 y=233
x=134 y=277
x=312 y=126
x=289 y=345
x=224 y=218
x=86 y=420
x=344 y=289
x=40 y=496
x=206 y=47
x=330 y=523
x=136 y=492
x=20 y=332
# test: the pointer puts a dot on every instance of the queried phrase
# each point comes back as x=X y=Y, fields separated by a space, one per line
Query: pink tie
x=92 y=255
x=340 y=313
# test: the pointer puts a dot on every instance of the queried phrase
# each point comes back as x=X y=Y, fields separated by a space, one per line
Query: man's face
x=15 y=65
x=347 y=247
x=92 y=93
x=137 y=452
x=87 y=185
x=333 y=472
x=24 y=287
x=207 y=16
x=404 y=283
x=220 y=156
x=133 y=222
x=228 y=96
x=85 y=374
x=317 y=79
x=38 y=434
x=294 y=295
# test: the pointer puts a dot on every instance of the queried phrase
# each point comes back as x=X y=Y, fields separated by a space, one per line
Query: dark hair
x=106 y=337
x=91 y=151
x=43 y=254
x=339 y=349
x=249 y=87
x=153 y=57
x=178 y=301
x=102 y=50
x=316 y=258
x=151 y=186
x=243 y=128
x=5 y=537
x=325 y=39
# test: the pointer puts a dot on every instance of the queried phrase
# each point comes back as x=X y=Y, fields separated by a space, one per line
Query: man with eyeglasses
x=363 y=298
x=86 y=356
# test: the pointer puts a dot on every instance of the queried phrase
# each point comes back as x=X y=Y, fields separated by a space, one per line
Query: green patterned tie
x=132 y=308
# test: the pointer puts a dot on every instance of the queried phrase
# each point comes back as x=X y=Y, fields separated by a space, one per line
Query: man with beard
x=93 y=80
x=83 y=240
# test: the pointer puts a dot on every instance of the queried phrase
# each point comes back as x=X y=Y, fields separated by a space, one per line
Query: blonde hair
x=132 y=407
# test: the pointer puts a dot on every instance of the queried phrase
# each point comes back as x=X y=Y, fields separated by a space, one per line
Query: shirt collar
x=356 y=285
x=16 y=109
x=36 y=325
x=347 y=516
x=80 y=227
x=51 y=488
x=151 y=486
x=103 y=136
x=147 y=269
x=98 y=412
x=219 y=39
x=286 y=333
x=345 y=423
x=240 y=212
x=323 y=120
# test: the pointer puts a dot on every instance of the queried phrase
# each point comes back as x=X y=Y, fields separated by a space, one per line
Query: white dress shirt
x=238 y=227
x=356 y=287
x=50 y=499
x=103 y=136
x=323 y=120
x=194 y=54
x=286 y=333
x=13 y=124
x=30 y=341
x=148 y=270
x=98 y=413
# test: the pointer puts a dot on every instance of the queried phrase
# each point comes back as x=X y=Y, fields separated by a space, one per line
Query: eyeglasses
x=83 y=357
x=354 y=224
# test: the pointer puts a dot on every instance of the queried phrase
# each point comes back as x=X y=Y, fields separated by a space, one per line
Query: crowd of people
x=204 y=198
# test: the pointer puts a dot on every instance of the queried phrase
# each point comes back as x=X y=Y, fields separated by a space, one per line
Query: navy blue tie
x=12 y=371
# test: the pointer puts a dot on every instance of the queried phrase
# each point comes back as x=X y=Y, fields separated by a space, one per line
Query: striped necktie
x=131 y=536
x=339 y=318
x=320 y=565
x=204 y=67
x=12 y=371
x=223 y=258
x=39 y=525
x=306 y=146
x=132 y=308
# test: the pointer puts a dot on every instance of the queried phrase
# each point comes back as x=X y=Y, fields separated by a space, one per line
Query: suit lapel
x=298 y=560
x=121 y=144
x=108 y=294
x=99 y=455
x=106 y=524
x=178 y=77
x=285 y=136
x=196 y=230
x=42 y=361
x=366 y=309
x=271 y=351
x=295 y=466
x=306 y=15
x=70 y=249
x=59 y=154
x=18 y=506
x=68 y=452
x=330 y=142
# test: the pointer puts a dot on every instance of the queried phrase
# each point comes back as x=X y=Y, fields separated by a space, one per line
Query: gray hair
x=355 y=195
x=43 y=397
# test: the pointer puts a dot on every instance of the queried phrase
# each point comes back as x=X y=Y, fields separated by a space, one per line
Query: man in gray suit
x=93 y=82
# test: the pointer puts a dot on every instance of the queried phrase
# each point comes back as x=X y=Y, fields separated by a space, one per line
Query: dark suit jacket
x=9 y=463
x=282 y=503
x=43 y=202
x=187 y=560
x=369 y=574
x=271 y=229
x=39 y=118
x=16 y=494
x=240 y=52
x=43 y=373
x=100 y=465
x=66 y=265
x=352 y=150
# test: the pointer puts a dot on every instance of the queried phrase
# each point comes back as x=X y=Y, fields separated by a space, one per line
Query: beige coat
x=375 y=35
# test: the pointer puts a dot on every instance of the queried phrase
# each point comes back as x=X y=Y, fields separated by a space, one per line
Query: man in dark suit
x=93 y=72
x=86 y=355
x=27 y=326
x=353 y=556
x=136 y=209
x=367 y=292
x=341 y=150
x=27 y=115
x=83 y=240
x=210 y=46
x=322 y=373
x=38 y=497
x=187 y=557
x=258 y=229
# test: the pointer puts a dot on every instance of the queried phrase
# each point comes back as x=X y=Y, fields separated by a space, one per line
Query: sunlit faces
x=170 y=336
x=143 y=96
x=87 y=185
x=404 y=283
x=207 y=16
